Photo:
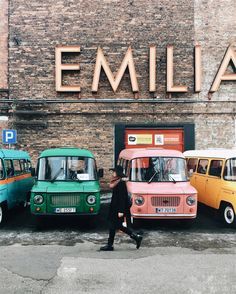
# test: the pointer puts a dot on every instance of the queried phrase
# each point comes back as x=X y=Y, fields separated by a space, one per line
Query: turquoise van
x=16 y=180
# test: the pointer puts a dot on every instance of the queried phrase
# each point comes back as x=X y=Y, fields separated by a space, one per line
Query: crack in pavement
x=24 y=276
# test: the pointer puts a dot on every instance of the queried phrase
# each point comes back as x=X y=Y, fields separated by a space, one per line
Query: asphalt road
x=63 y=256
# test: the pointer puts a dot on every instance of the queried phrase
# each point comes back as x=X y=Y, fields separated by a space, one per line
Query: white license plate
x=65 y=210
x=166 y=210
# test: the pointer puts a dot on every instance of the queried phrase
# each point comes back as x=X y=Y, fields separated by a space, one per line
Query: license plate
x=166 y=210
x=65 y=210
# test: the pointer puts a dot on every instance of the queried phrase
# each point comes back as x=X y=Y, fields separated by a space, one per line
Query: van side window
x=28 y=166
x=9 y=167
x=192 y=164
x=120 y=161
x=17 y=167
x=202 y=166
x=230 y=170
x=123 y=163
x=125 y=166
x=1 y=170
x=215 y=168
x=23 y=165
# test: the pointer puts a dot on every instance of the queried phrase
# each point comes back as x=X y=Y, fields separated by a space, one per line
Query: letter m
x=115 y=81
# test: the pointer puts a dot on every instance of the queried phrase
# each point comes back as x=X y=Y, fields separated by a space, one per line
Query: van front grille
x=65 y=199
x=172 y=201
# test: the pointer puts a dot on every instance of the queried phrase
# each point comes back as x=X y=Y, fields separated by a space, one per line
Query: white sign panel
x=159 y=139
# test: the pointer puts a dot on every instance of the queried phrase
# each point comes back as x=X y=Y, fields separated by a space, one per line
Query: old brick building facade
x=31 y=30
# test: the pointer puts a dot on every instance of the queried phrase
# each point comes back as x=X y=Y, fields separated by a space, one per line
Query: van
x=158 y=185
x=15 y=180
x=213 y=173
x=67 y=183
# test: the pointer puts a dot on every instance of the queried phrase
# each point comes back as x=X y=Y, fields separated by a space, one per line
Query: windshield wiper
x=153 y=176
x=173 y=180
x=74 y=178
x=56 y=175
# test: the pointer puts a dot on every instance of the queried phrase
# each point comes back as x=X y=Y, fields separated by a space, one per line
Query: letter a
x=230 y=56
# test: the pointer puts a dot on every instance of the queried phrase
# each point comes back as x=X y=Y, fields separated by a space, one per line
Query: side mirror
x=101 y=173
x=32 y=172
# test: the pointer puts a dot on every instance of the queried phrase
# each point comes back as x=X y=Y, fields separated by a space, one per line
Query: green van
x=67 y=183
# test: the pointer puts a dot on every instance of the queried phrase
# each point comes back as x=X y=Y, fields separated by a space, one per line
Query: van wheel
x=188 y=223
x=40 y=222
x=3 y=211
x=228 y=215
x=135 y=222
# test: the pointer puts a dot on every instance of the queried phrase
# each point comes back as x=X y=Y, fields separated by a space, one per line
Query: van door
x=213 y=182
x=11 y=183
x=19 y=182
x=3 y=189
x=200 y=179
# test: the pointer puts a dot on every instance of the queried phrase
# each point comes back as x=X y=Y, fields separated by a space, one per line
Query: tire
x=90 y=222
x=188 y=223
x=40 y=222
x=135 y=222
x=228 y=215
x=3 y=212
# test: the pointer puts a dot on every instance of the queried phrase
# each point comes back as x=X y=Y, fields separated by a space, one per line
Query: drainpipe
x=234 y=147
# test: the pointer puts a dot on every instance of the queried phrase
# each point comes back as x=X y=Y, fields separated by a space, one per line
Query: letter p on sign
x=9 y=137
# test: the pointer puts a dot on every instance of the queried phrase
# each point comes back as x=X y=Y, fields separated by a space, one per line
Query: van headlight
x=38 y=199
x=139 y=200
x=91 y=199
x=191 y=200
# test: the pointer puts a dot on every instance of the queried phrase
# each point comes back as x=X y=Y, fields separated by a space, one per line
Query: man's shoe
x=138 y=238
x=138 y=241
x=107 y=248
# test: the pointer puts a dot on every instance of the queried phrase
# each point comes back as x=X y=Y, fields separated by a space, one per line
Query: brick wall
x=215 y=24
x=3 y=44
x=3 y=125
x=37 y=27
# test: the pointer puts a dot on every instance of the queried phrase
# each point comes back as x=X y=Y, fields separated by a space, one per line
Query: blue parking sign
x=9 y=137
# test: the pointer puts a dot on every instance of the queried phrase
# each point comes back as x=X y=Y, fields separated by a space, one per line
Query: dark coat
x=119 y=203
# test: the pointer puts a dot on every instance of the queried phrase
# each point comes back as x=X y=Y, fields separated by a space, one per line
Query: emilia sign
x=128 y=62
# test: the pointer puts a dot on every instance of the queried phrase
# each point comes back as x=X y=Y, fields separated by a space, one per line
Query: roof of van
x=66 y=151
x=11 y=153
x=149 y=152
x=212 y=153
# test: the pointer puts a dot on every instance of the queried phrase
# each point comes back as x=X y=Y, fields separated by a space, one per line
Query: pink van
x=158 y=184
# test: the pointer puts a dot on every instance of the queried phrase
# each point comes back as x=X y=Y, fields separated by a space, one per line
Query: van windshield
x=158 y=169
x=230 y=170
x=67 y=169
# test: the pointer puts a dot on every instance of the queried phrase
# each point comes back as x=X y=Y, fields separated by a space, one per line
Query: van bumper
x=164 y=216
x=65 y=214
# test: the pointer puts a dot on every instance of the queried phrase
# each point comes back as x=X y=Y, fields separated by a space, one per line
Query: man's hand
x=120 y=214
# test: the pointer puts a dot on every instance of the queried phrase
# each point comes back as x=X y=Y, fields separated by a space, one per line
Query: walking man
x=119 y=208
